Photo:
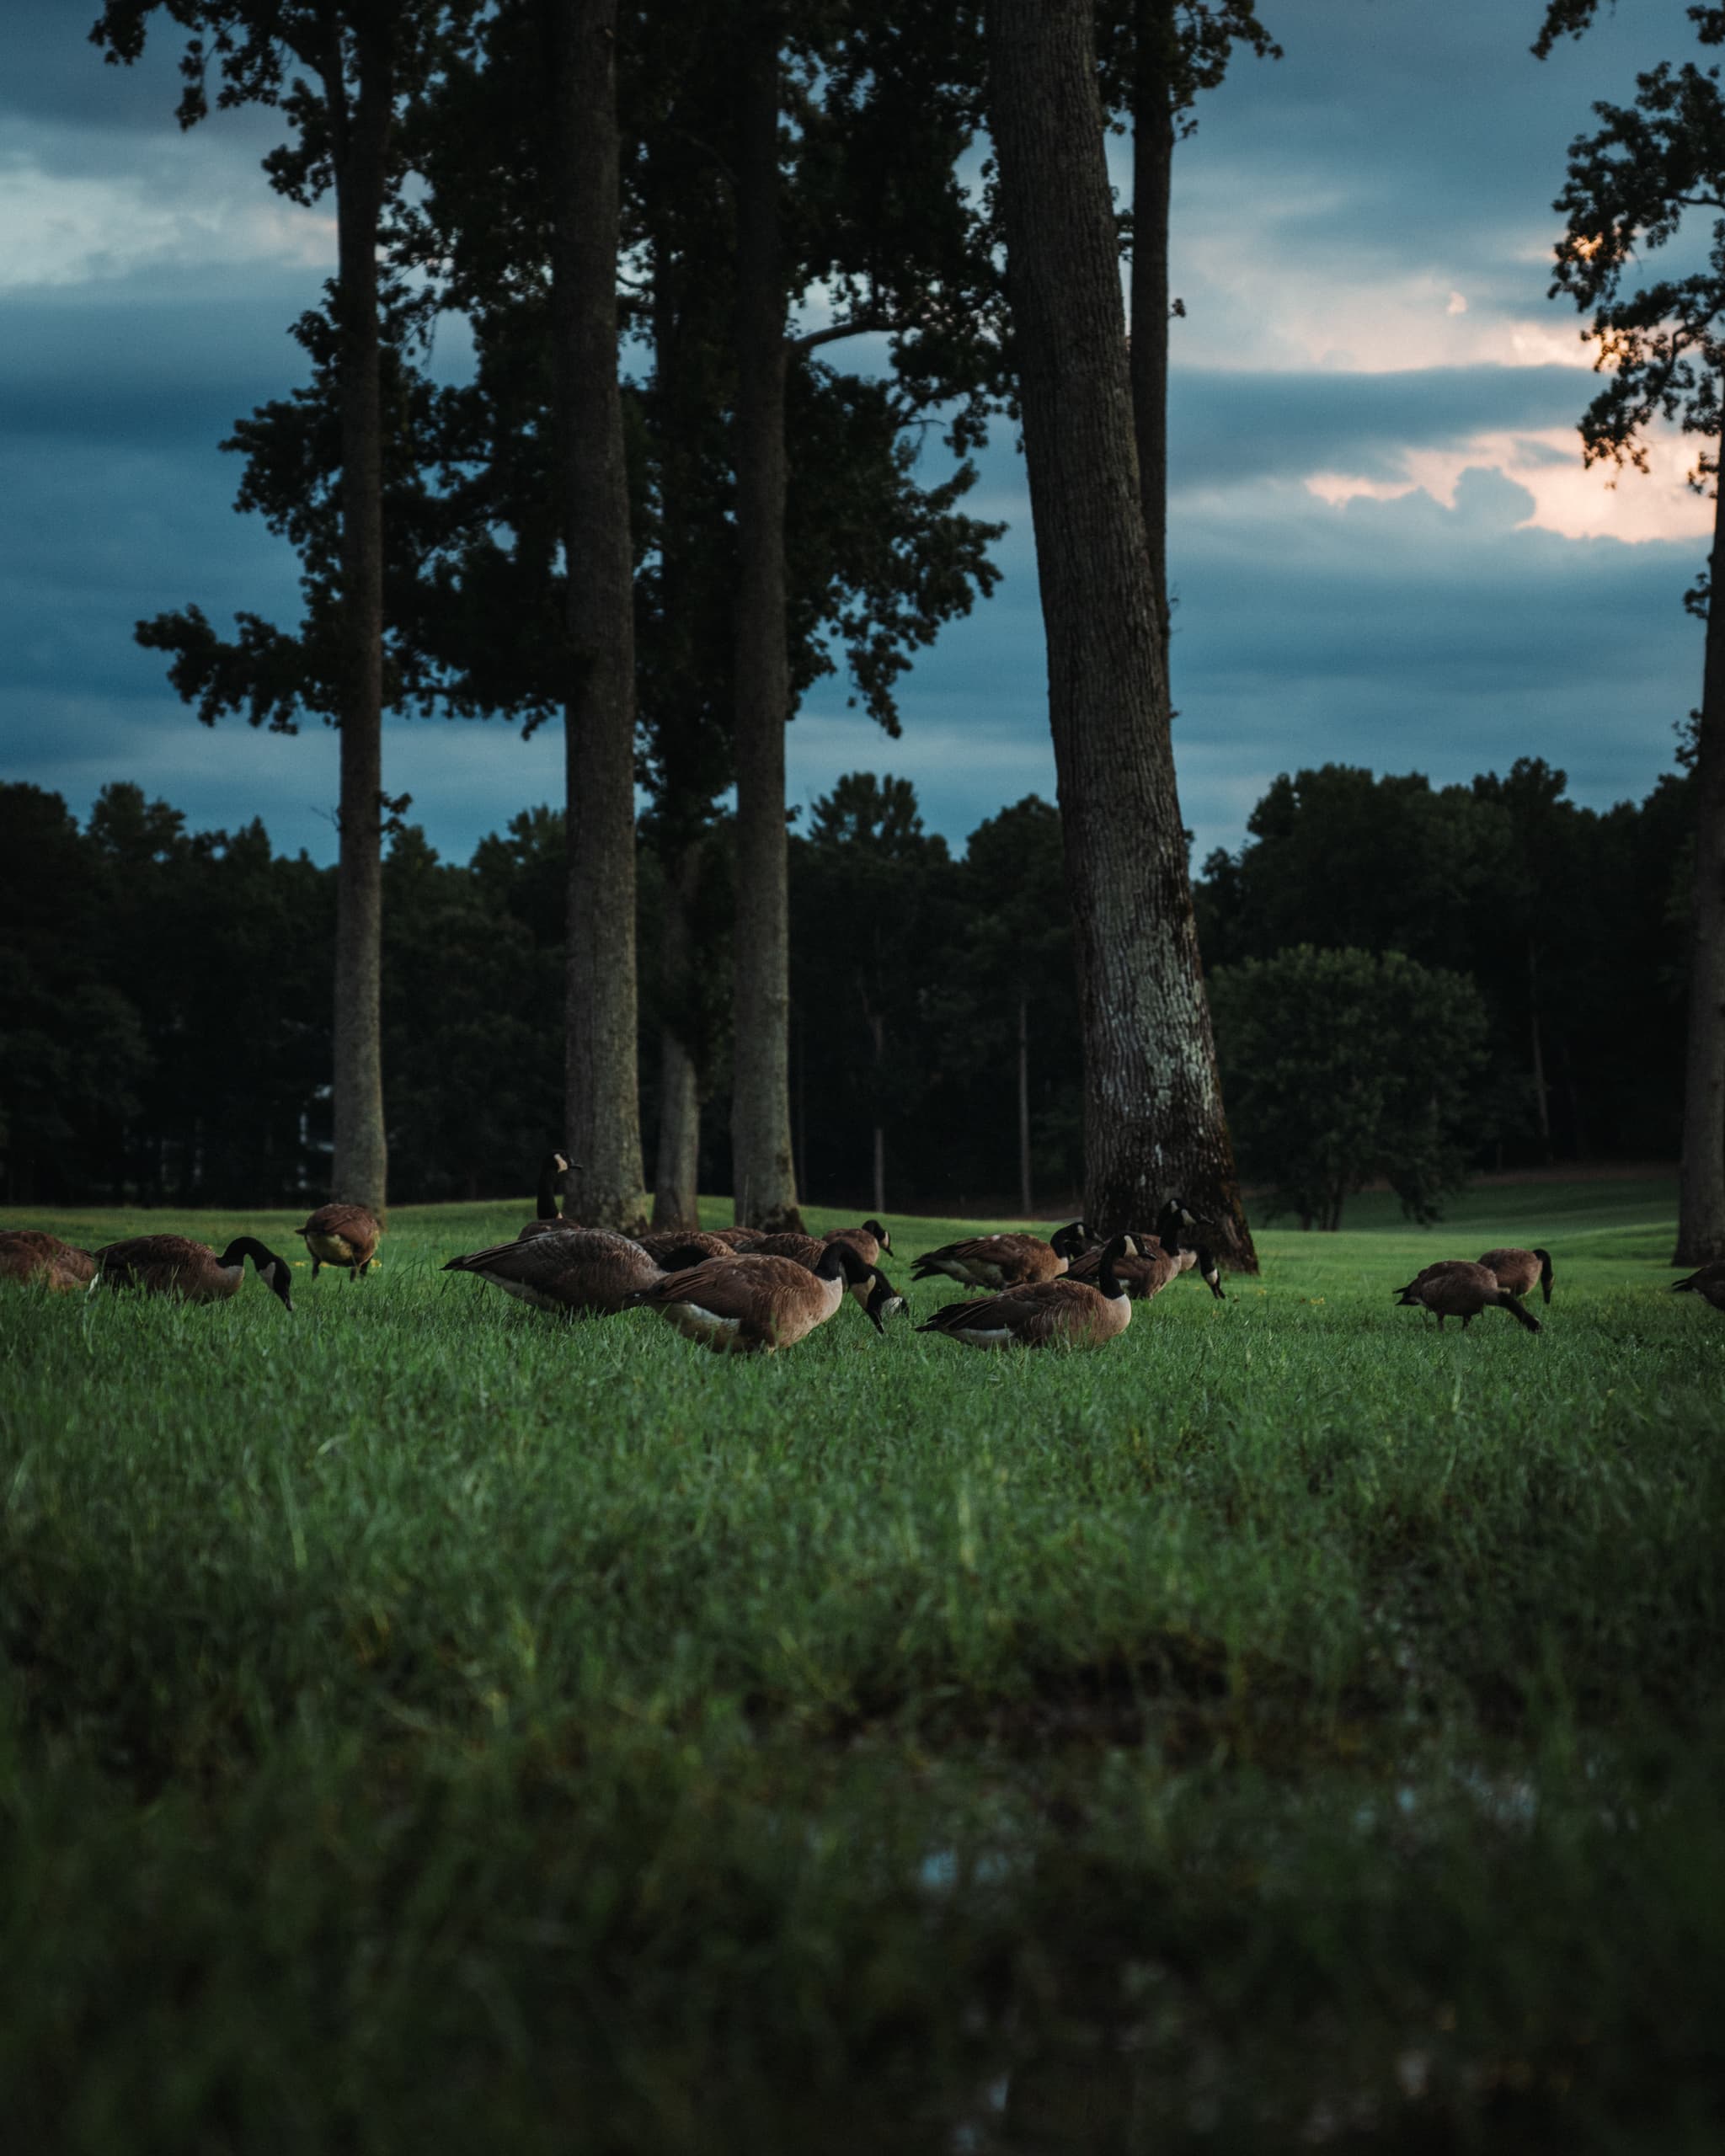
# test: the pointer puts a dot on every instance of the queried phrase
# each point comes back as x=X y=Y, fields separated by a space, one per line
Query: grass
x=428 y=1725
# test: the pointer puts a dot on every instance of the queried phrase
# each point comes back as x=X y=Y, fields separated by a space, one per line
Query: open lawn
x=429 y=1725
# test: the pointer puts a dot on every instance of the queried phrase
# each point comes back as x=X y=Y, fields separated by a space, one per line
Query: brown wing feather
x=33 y=1254
x=166 y=1264
x=343 y=1234
x=773 y=1302
x=586 y=1270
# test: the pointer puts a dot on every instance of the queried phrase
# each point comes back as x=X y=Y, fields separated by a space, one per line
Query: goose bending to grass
x=687 y=1245
x=33 y=1254
x=1005 y=1261
x=753 y=1304
x=342 y=1234
x=868 y=1242
x=1520 y=1271
x=1151 y=1270
x=1058 y=1313
x=1456 y=1287
x=552 y=1170
x=587 y=1272
x=1709 y=1283
x=174 y=1265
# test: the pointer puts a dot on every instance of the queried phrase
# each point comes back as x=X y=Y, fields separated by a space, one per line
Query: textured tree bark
x=764 y=1181
x=1153 y=1112
x=360 y=1165
x=602 y=1109
x=1700 y=1189
x=1152 y=197
x=674 y=1197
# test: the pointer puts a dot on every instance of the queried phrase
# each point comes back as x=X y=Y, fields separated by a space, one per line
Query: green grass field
x=428 y=1725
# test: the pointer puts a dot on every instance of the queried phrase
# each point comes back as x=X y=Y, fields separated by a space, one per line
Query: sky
x=1383 y=547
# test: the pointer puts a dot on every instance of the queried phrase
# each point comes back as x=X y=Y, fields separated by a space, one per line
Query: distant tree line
x=165 y=997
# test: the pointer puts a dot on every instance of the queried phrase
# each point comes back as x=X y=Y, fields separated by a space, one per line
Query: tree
x=1153 y=1110
x=1156 y=56
x=882 y=100
x=1345 y=1065
x=1632 y=188
x=602 y=1112
x=861 y=879
x=359 y=58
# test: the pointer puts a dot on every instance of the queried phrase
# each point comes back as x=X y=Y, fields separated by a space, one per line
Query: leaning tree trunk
x=764 y=1181
x=1700 y=1191
x=1152 y=1110
x=602 y=1116
x=359 y=1166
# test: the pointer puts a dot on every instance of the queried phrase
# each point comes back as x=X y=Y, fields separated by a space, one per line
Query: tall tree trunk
x=1025 y=1206
x=764 y=1174
x=1152 y=1111
x=674 y=1201
x=602 y=1114
x=1700 y=1189
x=359 y=1163
x=1152 y=197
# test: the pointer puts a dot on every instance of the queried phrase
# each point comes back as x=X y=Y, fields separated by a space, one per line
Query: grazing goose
x=341 y=1234
x=1005 y=1261
x=174 y=1265
x=868 y=1242
x=740 y=1239
x=1520 y=1271
x=1157 y=1262
x=753 y=1304
x=33 y=1254
x=688 y=1245
x=1453 y=1288
x=554 y=1167
x=1058 y=1313
x=811 y=1252
x=1709 y=1283
x=587 y=1272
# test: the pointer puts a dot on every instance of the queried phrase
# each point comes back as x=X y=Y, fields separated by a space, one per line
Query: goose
x=1157 y=1262
x=341 y=1234
x=1453 y=1288
x=587 y=1272
x=688 y=1245
x=868 y=1242
x=810 y=1251
x=174 y=1265
x=753 y=1304
x=1005 y=1261
x=554 y=1168
x=740 y=1239
x=33 y=1254
x=1520 y=1270
x=1047 y=1313
x=1709 y=1283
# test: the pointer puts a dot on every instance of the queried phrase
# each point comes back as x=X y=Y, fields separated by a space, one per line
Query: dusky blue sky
x=1383 y=547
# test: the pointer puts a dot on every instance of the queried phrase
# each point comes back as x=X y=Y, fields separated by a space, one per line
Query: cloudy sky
x=1383 y=547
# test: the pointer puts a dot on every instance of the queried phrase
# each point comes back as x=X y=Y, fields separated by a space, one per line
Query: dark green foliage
x=1342 y=1066
x=1570 y=920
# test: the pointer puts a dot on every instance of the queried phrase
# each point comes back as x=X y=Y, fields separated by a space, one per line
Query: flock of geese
x=741 y=1290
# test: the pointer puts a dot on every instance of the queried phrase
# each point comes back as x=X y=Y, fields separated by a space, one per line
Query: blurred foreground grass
x=427 y=1724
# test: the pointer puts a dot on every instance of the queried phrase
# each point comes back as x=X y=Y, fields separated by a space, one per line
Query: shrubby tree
x=1344 y=1066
